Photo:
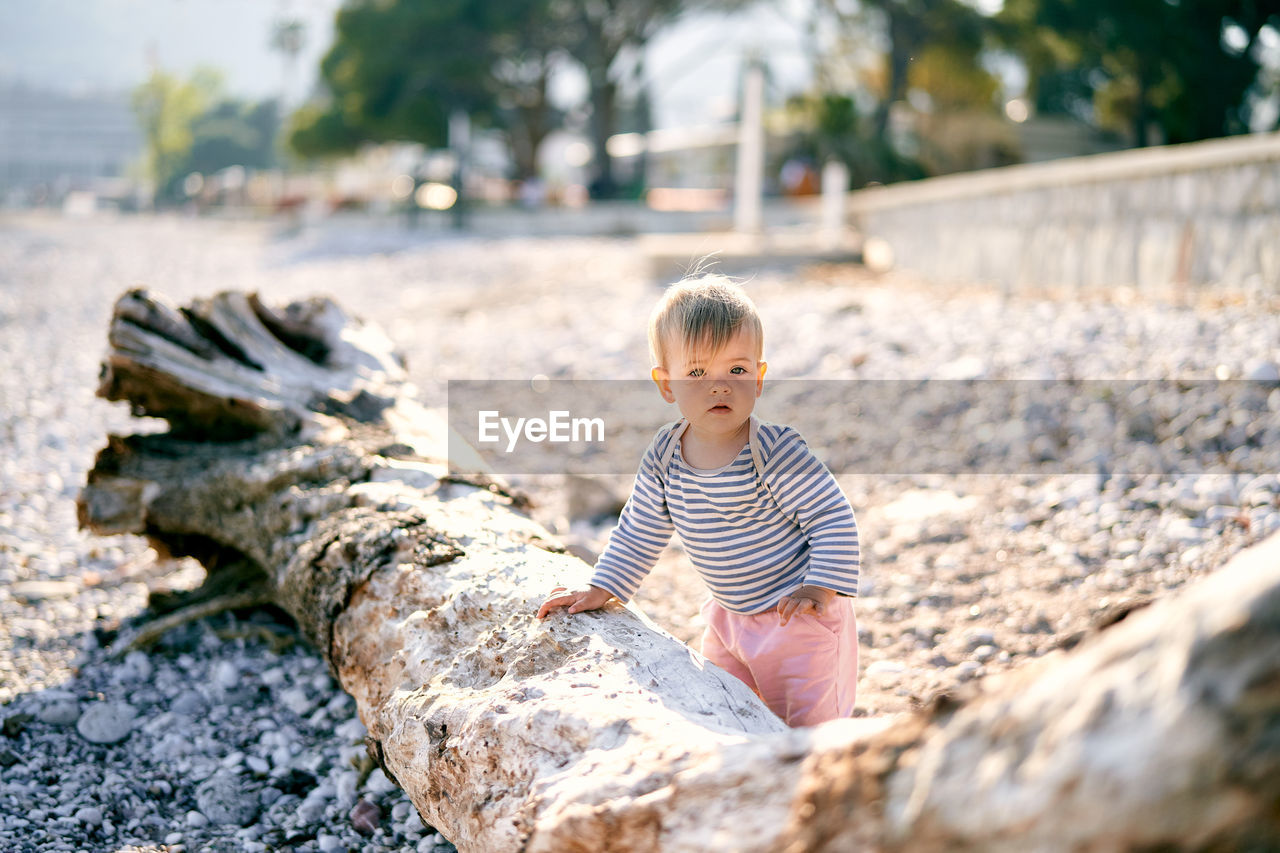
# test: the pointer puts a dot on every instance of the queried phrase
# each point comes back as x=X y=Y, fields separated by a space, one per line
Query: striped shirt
x=750 y=544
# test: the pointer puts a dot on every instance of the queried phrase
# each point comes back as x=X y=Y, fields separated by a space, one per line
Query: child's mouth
x=721 y=408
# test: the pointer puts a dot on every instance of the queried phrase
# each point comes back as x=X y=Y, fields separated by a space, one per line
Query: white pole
x=835 y=182
x=748 y=194
x=460 y=144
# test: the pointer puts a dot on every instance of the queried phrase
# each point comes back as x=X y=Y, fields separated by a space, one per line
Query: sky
x=85 y=46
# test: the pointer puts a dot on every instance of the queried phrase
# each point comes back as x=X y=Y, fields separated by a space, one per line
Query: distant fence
x=1206 y=213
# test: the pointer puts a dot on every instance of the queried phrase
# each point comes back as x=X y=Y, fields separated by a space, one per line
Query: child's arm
x=578 y=600
x=804 y=599
x=808 y=494
x=643 y=530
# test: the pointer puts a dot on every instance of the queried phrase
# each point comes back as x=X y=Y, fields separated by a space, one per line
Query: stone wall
x=1206 y=213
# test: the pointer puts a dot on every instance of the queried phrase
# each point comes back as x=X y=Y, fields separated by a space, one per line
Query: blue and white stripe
x=750 y=543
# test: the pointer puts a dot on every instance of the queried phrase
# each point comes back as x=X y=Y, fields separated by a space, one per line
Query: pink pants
x=806 y=671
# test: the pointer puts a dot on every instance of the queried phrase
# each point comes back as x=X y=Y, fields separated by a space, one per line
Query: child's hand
x=578 y=600
x=805 y=599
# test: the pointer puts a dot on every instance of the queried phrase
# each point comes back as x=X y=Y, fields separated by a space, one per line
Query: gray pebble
x=977 y=638
x=91 y=815
x=59 y=711
x=107 y=722
x=136 y=667
x=1262 y=371
x=226 y=675
x=296 y=700
x=189 y=704
x=224 y=799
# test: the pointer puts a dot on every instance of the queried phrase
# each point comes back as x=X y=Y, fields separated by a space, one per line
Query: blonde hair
x=703 y=313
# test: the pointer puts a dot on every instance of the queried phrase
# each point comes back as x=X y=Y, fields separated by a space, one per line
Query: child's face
x=715 y=393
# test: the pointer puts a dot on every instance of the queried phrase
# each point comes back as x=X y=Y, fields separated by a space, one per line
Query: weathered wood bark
x=296 y=448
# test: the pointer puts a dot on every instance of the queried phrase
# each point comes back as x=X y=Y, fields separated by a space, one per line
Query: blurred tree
x=924 y=57
x=829 y=126
x=167 y=107
x=232 y=133
x=1182 y=68
x=528 y=53
x=950 y=30
x=399 y=68
x=601 y=33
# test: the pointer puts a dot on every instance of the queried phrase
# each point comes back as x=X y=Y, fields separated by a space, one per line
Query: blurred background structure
x=440 y=113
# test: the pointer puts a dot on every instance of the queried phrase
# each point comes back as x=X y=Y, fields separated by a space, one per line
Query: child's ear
x=761 y=367
x=662 y=378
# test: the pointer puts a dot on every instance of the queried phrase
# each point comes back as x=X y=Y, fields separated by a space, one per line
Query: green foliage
x=398 y=68
x=927 y=48
x=188 y=128
x=829 y=127
x=232 y=133
x=167 y=108
x=1132 y=64
x=316 y=132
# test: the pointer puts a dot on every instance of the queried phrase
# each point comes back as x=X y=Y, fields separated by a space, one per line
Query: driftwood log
x=298 y=463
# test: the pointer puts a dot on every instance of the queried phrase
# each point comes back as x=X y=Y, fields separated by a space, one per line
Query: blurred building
x=53 y=144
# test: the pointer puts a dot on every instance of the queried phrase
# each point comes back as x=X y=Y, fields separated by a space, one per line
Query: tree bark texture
x=295 y=445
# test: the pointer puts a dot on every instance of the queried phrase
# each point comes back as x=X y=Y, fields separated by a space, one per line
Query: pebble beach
x=230 y=735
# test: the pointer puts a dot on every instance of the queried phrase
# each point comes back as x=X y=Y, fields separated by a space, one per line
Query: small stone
x=982 y=654
x=327 y=843
x=1262 y=371
x=226 y=675
x=33 y=592
x=173 y=838
x=259 y=766
x=60 y=710
x=222 y=798
x=966 y=670
x=136 y=667
x=189 y=704
x=91 y=815
x=196 y=820
x=312 y=809
x=378 y=783
x=886 y=667
x=295 y=699
x=978 y=637
x=107 y=722
x=365 y=817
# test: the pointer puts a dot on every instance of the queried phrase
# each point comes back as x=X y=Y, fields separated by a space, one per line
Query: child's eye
x=696 y=372
x=738 y=369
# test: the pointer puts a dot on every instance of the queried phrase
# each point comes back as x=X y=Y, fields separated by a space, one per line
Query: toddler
x=762 y=520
